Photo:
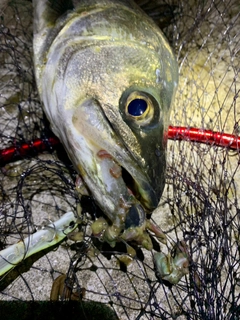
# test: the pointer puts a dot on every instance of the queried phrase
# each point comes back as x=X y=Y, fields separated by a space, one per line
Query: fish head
x=127 y=98
x=107 y=86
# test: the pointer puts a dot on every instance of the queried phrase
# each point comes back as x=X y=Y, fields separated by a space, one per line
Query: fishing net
x=200 y=201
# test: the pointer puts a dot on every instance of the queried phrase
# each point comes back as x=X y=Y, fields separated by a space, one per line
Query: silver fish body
x=107 y=77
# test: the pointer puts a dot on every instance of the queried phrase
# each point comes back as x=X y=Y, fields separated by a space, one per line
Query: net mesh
x=200 y=200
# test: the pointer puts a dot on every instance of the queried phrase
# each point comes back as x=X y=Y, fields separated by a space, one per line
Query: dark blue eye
x=137 y=107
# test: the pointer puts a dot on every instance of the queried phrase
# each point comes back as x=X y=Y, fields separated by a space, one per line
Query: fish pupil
x=137 y=107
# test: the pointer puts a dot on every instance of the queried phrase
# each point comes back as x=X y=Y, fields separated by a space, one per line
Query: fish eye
x=139 y=108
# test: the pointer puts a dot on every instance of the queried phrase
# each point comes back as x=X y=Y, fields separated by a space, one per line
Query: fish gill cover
x=199 y=208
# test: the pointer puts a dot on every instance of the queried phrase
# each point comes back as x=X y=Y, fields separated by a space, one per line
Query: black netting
x=200 y=200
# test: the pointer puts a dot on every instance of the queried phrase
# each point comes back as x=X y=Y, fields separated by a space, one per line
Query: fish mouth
x=132 y=195
x=131 y=184
x=136 y=183
x=142 y=191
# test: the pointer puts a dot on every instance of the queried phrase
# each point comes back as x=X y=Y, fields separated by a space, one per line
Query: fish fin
x=60 y=6
x=162 y=13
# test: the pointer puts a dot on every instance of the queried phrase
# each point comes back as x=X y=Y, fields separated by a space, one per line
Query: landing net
x=200 y=201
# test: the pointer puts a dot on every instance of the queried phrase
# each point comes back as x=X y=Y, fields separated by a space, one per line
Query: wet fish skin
x=89 y=62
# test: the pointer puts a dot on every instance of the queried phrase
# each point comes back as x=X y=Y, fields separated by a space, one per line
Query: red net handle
x=221 y=139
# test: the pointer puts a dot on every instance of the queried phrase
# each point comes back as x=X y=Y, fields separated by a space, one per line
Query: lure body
x=107 y=76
